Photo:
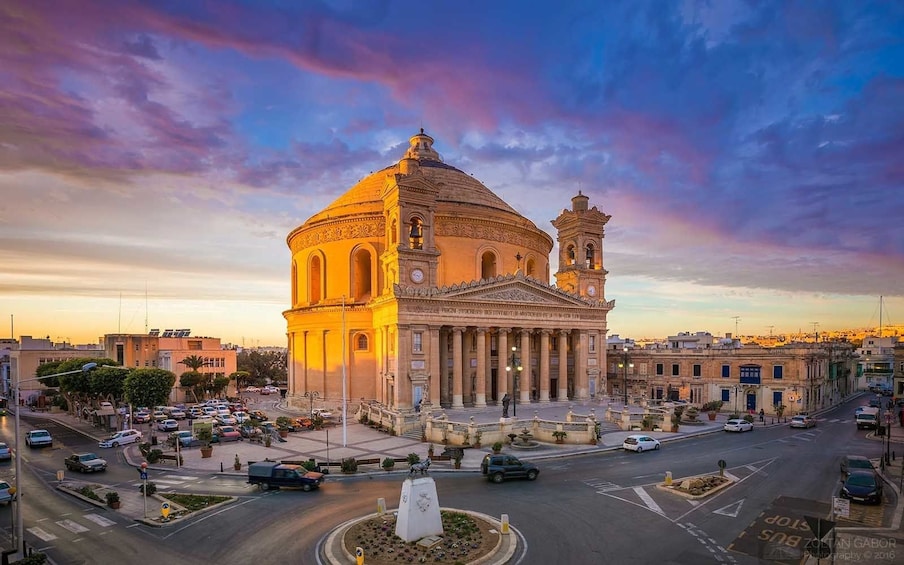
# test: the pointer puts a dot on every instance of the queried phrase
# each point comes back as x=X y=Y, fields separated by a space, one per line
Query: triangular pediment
x=510 y=289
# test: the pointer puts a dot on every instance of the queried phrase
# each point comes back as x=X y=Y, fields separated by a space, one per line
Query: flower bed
x=697 y=487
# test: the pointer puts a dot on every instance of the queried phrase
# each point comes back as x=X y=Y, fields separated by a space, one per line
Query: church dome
x=459 y=193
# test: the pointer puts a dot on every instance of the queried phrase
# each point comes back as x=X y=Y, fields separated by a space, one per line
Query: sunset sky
x=154 y=155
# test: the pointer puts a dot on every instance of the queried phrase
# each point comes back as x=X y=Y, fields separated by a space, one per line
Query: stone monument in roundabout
x=419 y=533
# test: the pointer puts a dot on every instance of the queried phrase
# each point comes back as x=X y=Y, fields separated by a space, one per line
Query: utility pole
x=770 y=330
x=815 y=332
x=736 y=320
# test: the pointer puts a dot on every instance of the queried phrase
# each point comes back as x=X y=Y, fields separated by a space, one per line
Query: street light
x=312 y=395
x=20 y=525
x=515 y=365
x=625 y=364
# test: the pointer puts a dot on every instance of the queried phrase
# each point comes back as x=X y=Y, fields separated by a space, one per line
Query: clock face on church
x=591 y=290
x=417 y=276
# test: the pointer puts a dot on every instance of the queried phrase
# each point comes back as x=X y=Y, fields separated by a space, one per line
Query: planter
x=237 y=467
x=115 y=505
x=206 y=452
x=711 y=416
x=283 y=433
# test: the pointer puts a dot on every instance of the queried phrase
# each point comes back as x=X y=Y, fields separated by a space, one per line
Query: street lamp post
x=515 y=365
x=312 y=395
x=625 y=364
x=20 y=524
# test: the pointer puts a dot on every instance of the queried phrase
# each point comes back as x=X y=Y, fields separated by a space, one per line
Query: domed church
x=420 y=288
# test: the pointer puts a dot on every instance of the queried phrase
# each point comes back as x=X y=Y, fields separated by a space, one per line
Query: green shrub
x=748 y=418
x=88 y=492
x=36 y=558
x=349 y=465
x=154 y=456
x=152 y=488
x=388 y=463
x=112 y=496
x=309 y=465
x=413 y=458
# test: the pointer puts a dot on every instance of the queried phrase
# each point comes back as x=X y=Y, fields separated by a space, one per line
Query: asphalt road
x=587 y=509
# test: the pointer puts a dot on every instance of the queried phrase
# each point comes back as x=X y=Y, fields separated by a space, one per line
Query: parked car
x=738 y=425
x=498 y=467
x=851 y=463
x=184 y=437
x=226 y=420
x=241 y=417
x=168 y=425
x=5 y=496
x=5 y=453
x=862 y=486
x=875 y=402
x=85 y=463
x=270 y=474
x=640 y=443
x=803 y=421
x=121 y=438
x=252 y=389
x=142 y=417
x=38 y=438
x=159 y=415
x=177 y=414
x=228 y=433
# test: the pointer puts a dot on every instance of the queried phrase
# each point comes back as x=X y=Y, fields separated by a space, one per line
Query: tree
x=194 y=362
x=241 y=379
x=263 y=367
x=191 y=380
x=219 y=385
x=107 y=382
x=148 y=387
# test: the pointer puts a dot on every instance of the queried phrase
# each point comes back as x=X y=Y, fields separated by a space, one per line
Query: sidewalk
x=361 y=442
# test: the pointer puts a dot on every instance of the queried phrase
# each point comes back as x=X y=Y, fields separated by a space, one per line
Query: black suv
x=498 y=467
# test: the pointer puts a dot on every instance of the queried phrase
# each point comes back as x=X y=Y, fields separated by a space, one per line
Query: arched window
x=363 y=279
x=294 y=284
x=314 y=280
x=361 y=342
x=416 y=235
x=570 y=255
x=488 y=265
x=394 y=232
x=588 y=262
x=531 y=270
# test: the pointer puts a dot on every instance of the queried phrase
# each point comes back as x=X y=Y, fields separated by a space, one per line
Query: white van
x=867 y=417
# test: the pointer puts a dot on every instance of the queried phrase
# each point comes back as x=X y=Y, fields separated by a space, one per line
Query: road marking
x=100 y=520
x=602 y=486
x=732 y=478
x=73 y=527
x=648 y=500
x=752 y=468
x=167 y=482
x=39 y=533
x=732 y=510
x=181 y=477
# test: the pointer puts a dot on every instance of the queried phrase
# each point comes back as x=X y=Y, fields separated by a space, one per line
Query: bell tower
x=580 y=233
x=409 y=204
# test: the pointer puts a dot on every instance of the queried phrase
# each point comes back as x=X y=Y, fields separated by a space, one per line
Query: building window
x=660 y=369
x=494 y=341
x=698 y=370
x=726 y=394
x=726 y=371
x=361 y=342
x=592 y=343
x=416 y=236
x=777 y=371
x=750 y=374
x=675 y=370
x=417 y=343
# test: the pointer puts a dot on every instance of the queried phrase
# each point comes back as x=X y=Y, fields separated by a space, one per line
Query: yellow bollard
x=381 y=506
x=505 y=524
x=668 y=478
x=359 y=556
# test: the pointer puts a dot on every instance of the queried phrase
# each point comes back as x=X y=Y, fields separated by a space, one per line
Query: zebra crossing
x=50 y=530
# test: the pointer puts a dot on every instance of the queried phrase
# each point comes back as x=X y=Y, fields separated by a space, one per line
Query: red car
x=228 y=433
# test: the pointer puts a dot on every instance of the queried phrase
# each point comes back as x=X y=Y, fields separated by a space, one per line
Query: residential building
x=876 y=366
x=31 y=353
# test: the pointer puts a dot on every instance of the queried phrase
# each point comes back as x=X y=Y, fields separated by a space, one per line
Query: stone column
x=544 y=365
x=457 y=379
x=502 y=376
x=433 y=394
x=525 y=377
x=443 y=391
x=480 y=399
x=563 y=365
x=581 y=391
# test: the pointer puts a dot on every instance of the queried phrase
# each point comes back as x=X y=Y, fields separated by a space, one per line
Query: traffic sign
x=164 y=509
x=144 y=475
x=819 y=526
x=841 y=507
x=722 y=464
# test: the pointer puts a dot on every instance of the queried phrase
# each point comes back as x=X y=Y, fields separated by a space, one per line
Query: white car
x=38 y=438
x=168 y=425
x=252 y=389
x=121 y=438
x=226 y=420
x=5 y=496
x=737 y=425
x=640 y=443
x=241 y=417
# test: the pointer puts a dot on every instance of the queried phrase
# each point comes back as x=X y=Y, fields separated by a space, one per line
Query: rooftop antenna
x=119 y=321
x=145 y=307
x=815 y=333
x=736 y=320
x=770 y=330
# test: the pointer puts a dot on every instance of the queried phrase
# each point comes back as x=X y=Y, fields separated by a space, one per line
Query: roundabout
x=468 y=537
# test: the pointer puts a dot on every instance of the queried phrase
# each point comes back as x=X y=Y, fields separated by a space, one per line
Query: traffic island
x=694 y=488
x=468 y=537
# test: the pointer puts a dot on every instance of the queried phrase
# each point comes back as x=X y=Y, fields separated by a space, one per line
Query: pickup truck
x=271 y=474
x=867 y=417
